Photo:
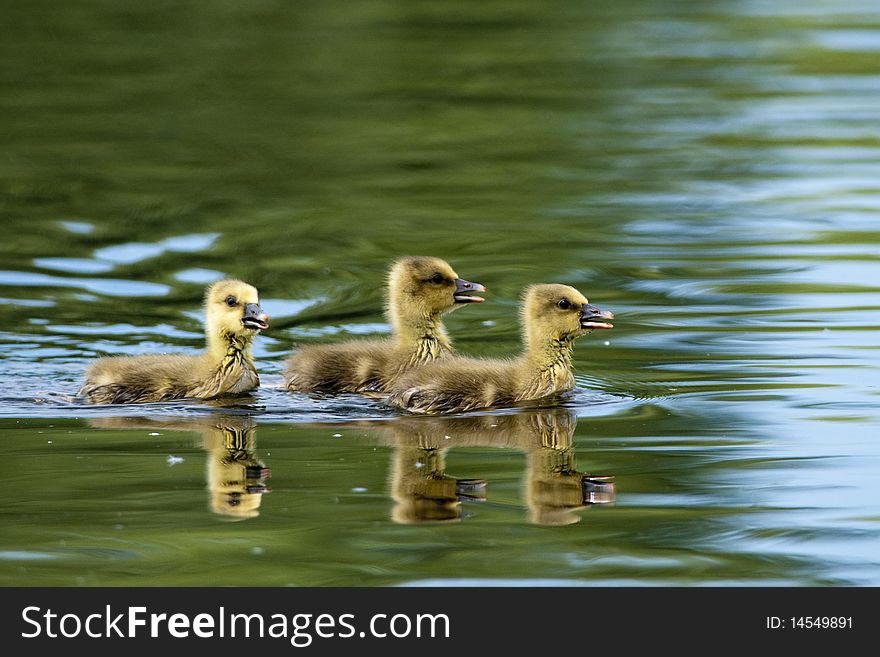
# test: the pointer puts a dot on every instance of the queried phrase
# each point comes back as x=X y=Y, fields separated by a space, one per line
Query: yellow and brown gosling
x=233 y=318
x=420 y=290
x=553 y=317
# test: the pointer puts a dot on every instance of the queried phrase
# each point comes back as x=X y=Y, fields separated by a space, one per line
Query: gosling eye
x=231 y=301
x=437 y=279
x=565 y=304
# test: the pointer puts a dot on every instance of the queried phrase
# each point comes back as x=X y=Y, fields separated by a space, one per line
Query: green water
x=708 y=171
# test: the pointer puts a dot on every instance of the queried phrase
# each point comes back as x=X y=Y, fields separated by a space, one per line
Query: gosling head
x=425 y=287
x=559 y=313
x=233 y=308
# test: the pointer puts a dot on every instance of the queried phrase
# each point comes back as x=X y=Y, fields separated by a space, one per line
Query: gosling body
x=420 y=290
x=553 y=317
x=233 y=318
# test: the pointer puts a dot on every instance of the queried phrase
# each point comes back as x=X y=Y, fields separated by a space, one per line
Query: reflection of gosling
x=554 y=489
x=232 y=318
x=236 y=477
x=554 y=316
x=423 y=492
x=420 y=291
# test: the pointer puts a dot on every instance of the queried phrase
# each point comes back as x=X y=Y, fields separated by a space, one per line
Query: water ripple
x=105 y=286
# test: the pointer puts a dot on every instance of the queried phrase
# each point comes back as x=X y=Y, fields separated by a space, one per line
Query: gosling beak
x=254 y=317
x=591 y=315
x=462 y=290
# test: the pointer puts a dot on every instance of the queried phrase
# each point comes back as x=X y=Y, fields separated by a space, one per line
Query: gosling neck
x=548 y=367
x=422 y=333
x=228 y=348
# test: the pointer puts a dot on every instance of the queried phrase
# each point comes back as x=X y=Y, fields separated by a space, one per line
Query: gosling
x=420 y=291
x=233 y=318
x=553 y=317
